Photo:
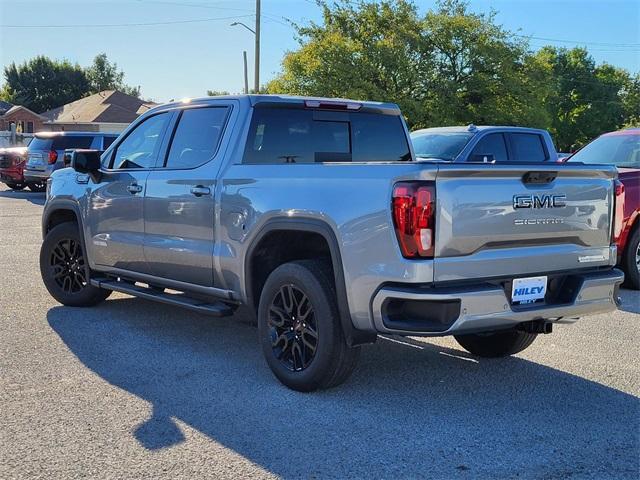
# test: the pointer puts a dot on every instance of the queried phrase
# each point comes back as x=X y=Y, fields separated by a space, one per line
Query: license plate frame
x=529 y=290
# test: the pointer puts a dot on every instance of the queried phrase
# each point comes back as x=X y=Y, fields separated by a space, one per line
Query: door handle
x=199 y=190
x=134 y=188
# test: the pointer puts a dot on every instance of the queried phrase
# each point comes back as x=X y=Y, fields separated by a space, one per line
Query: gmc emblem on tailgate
x=539 y=201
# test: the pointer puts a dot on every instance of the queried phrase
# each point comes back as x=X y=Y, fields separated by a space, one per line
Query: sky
x=178 y=60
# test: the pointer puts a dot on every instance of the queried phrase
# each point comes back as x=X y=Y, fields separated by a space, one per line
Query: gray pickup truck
x=485 y=144
x=316 y=214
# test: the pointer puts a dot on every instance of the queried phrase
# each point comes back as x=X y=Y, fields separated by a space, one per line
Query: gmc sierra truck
x=316 y=214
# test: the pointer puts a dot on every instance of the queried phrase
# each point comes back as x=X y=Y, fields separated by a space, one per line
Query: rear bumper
x=36 y=175
x=449 y=311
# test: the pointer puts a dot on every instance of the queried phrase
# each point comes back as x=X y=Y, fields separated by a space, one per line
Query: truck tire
x=64 y=270
x=37 y=186
x=16 y=186
x=299 y=326
x=496 y=344
x=631 y=261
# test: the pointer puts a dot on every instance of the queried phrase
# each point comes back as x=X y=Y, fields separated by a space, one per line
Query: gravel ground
x=133 y=389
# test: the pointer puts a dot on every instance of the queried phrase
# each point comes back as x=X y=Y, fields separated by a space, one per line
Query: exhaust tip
x=537 y=326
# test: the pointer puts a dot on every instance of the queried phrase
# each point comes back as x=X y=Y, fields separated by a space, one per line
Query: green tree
x=216 y=93
x=41 y=84
x=586 y=99
x=104 y=75
x=481 y=72
x=451 y=66
x=360 y=50
x=631 y=101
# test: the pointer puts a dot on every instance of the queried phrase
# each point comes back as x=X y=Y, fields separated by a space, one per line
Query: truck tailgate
x=519 y=219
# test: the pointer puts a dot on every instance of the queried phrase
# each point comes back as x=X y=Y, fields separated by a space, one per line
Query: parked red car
x=12 y=162
x=622 y=149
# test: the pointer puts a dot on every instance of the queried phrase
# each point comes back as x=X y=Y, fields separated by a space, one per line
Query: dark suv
x=46 y=151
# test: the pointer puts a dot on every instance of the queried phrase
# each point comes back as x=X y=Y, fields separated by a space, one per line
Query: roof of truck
x=292 y=99
x=477 y=128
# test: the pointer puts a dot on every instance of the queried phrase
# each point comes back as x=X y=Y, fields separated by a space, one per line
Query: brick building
x=24 y=119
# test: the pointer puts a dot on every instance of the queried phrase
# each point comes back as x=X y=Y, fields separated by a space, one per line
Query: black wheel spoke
x=58 y=254
x=58 y=271
x=296 y=356
x=287 y=298
x=304 y=308
x=309 y=342
x=278 y=317
x=293 y=328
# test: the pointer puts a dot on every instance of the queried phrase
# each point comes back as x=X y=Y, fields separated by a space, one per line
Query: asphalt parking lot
x=132 y=389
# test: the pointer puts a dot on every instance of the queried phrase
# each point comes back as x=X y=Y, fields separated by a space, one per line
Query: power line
x=272 y=17
x=137 y=24
x=602 y=44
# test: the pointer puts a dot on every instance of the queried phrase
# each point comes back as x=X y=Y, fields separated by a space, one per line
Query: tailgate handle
x=539 y=177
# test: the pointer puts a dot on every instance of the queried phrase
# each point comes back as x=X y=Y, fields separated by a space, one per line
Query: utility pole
x=246 y=76
x=256 y=85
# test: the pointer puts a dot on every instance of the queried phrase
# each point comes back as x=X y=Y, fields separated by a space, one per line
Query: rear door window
x=527 y=147
x=290 y=135
x=490 y=148
x=196 y=137
x=379 y=138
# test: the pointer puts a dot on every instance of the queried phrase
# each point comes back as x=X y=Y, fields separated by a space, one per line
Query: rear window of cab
x=295 y=135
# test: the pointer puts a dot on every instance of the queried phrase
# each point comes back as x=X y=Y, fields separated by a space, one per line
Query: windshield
x=619 y=150
x=444 y=145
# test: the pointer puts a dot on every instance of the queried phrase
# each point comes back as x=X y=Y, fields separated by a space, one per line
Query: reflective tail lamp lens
x=414 y=218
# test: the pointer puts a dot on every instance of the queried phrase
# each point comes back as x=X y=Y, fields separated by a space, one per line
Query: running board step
x=216 y=309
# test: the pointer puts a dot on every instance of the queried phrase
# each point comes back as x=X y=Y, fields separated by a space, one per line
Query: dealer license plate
x=528 y=290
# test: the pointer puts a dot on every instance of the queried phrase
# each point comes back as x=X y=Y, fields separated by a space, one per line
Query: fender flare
x=352 y=335
x=68 y=205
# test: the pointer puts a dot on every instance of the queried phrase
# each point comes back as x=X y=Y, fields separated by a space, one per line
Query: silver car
x=46 y=151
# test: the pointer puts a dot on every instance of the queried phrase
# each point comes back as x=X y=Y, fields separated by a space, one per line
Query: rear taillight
x=414 y=218
x=618 y=209
x=53 y=157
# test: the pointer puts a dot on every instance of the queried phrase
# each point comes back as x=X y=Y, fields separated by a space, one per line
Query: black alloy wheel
x=68 y=265
x=293 y=328
x=300 y=328
x=64 y=268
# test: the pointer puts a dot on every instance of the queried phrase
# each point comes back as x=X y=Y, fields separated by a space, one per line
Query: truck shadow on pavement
x=411 y=409
x=35 y=198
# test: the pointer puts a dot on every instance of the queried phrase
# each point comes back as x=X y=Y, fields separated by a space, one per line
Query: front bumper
x=433 y=311
x=11 y=176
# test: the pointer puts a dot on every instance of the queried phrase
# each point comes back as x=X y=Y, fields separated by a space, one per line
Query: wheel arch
x=633 y=224
x=58 y=212
x=314 y=227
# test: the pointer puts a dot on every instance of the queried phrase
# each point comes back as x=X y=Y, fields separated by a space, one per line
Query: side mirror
x=483 y=158
x=84 y=161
